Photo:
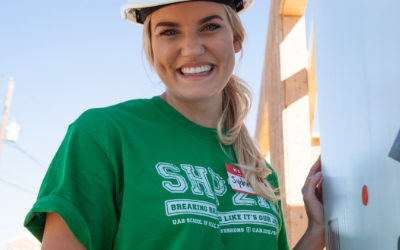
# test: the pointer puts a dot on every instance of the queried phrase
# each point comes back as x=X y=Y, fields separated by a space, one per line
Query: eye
x=212 y=26
x=168 y=32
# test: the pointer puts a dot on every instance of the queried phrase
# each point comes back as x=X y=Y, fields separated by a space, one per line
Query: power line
x=38 y=162
x=16 y=186
x=53 y=117
x=9 y=176
x=51 y=114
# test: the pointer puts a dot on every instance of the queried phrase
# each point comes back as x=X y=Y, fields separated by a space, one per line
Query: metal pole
x=7 y=105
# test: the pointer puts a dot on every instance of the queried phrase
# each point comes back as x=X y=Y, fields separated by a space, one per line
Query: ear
x=237 y=45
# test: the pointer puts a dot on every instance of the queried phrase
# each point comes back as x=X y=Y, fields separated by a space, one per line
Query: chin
x=197 y=95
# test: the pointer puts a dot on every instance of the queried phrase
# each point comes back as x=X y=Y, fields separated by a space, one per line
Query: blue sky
x=70 y=56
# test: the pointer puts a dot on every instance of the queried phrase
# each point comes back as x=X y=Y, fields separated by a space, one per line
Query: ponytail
x=236 y=104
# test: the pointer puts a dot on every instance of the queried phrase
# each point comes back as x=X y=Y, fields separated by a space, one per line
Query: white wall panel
x=357 y=48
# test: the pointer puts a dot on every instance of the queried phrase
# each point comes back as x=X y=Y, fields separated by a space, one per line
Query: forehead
x=187 y=12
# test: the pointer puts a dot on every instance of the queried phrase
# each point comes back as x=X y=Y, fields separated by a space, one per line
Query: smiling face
x=193 y=49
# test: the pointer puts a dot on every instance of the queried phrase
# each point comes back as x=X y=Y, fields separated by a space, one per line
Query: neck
x=205 y=113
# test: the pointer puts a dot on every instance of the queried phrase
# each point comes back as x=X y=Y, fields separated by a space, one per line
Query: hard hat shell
x=136 y=11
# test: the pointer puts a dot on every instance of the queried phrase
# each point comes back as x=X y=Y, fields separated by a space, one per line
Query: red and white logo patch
x=238 y=182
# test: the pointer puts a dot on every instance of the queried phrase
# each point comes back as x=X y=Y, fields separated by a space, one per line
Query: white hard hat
x=136 y=11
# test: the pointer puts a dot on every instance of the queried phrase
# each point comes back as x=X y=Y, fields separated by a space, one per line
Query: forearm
x=313 y=239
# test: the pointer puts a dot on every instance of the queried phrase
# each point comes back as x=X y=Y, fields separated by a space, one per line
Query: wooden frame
x=286 y=108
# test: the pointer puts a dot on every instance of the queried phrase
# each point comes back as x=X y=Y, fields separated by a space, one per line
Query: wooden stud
x=312 y=78
x=285 y=88
x=293 y=7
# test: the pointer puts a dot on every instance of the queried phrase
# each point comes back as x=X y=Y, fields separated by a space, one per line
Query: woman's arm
x=57 y=235
x=314 y=237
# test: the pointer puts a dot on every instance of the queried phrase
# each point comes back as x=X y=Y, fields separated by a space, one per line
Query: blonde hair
x=236 y=104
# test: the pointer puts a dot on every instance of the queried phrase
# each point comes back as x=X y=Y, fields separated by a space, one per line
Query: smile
x=196 y=71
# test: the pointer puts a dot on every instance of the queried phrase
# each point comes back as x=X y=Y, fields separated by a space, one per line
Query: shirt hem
x=66 y=210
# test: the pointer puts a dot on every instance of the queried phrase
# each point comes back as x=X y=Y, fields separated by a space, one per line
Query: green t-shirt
x=139 y=175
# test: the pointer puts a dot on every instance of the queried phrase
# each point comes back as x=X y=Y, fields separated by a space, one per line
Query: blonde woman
x=177 y=171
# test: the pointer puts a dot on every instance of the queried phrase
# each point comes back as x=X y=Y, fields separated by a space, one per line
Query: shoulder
x=132 y=108
x=115 y=115
x=107 y=123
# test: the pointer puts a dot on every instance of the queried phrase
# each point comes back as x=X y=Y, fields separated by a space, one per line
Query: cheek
x=224 y=51
x=163 y=55
x=227 y=55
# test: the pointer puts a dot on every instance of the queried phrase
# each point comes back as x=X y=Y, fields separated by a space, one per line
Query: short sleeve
x=79 y=186
x=282 y=236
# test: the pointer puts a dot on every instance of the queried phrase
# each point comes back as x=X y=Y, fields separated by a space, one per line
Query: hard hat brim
x=141 y=4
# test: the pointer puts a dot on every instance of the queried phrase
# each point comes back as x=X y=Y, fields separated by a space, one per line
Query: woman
x=180 y=170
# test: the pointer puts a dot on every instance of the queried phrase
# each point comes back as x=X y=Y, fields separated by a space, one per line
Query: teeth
x=205 y=69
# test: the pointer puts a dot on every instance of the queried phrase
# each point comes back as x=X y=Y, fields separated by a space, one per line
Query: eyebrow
x=209 y=18
x=167 y=24
x=201 y=21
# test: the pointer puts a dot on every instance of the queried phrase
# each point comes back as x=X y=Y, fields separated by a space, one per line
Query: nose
x=192 y=46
